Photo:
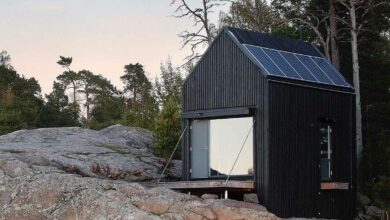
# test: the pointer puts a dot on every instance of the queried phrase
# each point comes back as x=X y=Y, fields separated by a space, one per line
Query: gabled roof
x=274 y=42
x=286 y=58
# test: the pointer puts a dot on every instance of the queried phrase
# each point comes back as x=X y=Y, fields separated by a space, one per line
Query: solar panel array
x=297 y=66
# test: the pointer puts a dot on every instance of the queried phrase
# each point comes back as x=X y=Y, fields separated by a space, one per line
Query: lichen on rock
x=67 y=173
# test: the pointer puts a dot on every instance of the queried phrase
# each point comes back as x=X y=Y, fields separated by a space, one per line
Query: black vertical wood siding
x=226 y=78
x=286 y=132
x=294 y=152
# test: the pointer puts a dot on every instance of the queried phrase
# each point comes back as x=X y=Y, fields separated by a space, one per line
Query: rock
x=374 y=211
x=362 y=217
x=174 y=169
x=231 y=209
x=134 y=136
x=209 y=196
x=116 y=152
x=58 y=195
x=363 y=200
x=251 y=197
x=74 y=173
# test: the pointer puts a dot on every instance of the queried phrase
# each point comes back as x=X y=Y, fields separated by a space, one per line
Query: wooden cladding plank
x=334 y=185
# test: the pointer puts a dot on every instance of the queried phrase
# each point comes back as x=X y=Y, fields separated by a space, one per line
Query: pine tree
x=170 y=84
x=20 y=101
x=56 y=111
x=141 y=105
x=167 y=130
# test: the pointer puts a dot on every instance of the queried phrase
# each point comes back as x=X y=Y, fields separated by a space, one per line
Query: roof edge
x=244 y=50
x=225 y=30
x=207 y=50
x=313 y=85
x=269 y=77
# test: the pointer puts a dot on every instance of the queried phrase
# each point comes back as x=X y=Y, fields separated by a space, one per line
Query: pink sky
x=100 y=35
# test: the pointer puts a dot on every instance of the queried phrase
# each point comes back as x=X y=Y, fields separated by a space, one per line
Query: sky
x=101 y=35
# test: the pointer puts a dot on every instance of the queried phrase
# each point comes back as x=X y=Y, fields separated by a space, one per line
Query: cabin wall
x=294 y=178
x=286 y=133
x=226 y=78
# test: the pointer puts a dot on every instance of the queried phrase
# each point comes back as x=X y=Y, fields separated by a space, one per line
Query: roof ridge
x=274 y=41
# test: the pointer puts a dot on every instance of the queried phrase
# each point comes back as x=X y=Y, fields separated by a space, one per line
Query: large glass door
x=219 y=146
x=226 y=138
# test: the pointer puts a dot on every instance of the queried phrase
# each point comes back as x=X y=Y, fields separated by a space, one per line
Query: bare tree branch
x=205 y=32
x=313 y=16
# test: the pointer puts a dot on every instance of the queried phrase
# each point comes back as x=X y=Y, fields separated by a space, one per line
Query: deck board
x=334 y=185
x=207 y=184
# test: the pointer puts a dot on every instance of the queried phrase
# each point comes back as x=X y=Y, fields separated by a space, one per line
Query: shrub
x=167 y=130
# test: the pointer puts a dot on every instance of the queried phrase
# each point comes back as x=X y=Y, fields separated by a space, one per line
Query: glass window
x=326 y=152
x=226 y=137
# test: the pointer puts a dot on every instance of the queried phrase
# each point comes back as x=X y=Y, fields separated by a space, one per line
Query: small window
x=326 y=152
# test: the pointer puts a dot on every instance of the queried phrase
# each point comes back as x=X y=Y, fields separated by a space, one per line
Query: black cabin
x=275 y=111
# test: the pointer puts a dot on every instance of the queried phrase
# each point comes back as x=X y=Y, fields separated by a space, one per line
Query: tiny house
x=273 y=110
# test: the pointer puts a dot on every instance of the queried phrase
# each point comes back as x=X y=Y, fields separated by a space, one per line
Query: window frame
x=252 y=130
x=329 y=151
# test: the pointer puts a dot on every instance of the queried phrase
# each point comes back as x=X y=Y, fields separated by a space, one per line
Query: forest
x=353 y=34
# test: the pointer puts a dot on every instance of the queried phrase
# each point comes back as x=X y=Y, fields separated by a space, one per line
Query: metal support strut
x=170 y=158
x=243 y=144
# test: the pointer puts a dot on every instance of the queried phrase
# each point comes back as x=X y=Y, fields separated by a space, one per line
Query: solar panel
x=296 y=66
x=265 y=61
x=315 y=69
x=330 y=71
x=283 y=65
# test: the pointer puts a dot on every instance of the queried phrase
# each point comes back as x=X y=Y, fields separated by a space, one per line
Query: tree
x=356 y=80
x=310 y=13
x=10 y=118
x=254 y=15
x=141 y=105
x=56 y=111
x=357 y=8
x=205 y=29
x=65 y=62
x=168 y=127
x=325 y=25
x=106 y=101
x=170 y=85
x=89 y=90
x=20 y=101
x=333 y=32
x=5 y=60
x=87 y=87
x=135 y=82
x=374 y=63
x=167 y=130
x=93 y=89
x=70 y=79
x=107 y=110
x=143 y=114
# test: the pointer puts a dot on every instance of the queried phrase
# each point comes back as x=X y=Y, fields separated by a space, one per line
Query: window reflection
x=226 y=137
x=326 y=152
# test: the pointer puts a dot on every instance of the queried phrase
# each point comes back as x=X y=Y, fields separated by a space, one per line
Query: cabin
x=274 y=111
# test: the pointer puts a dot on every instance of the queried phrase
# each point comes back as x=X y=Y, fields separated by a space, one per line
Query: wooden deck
x=334 y=185
x=212 y=185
